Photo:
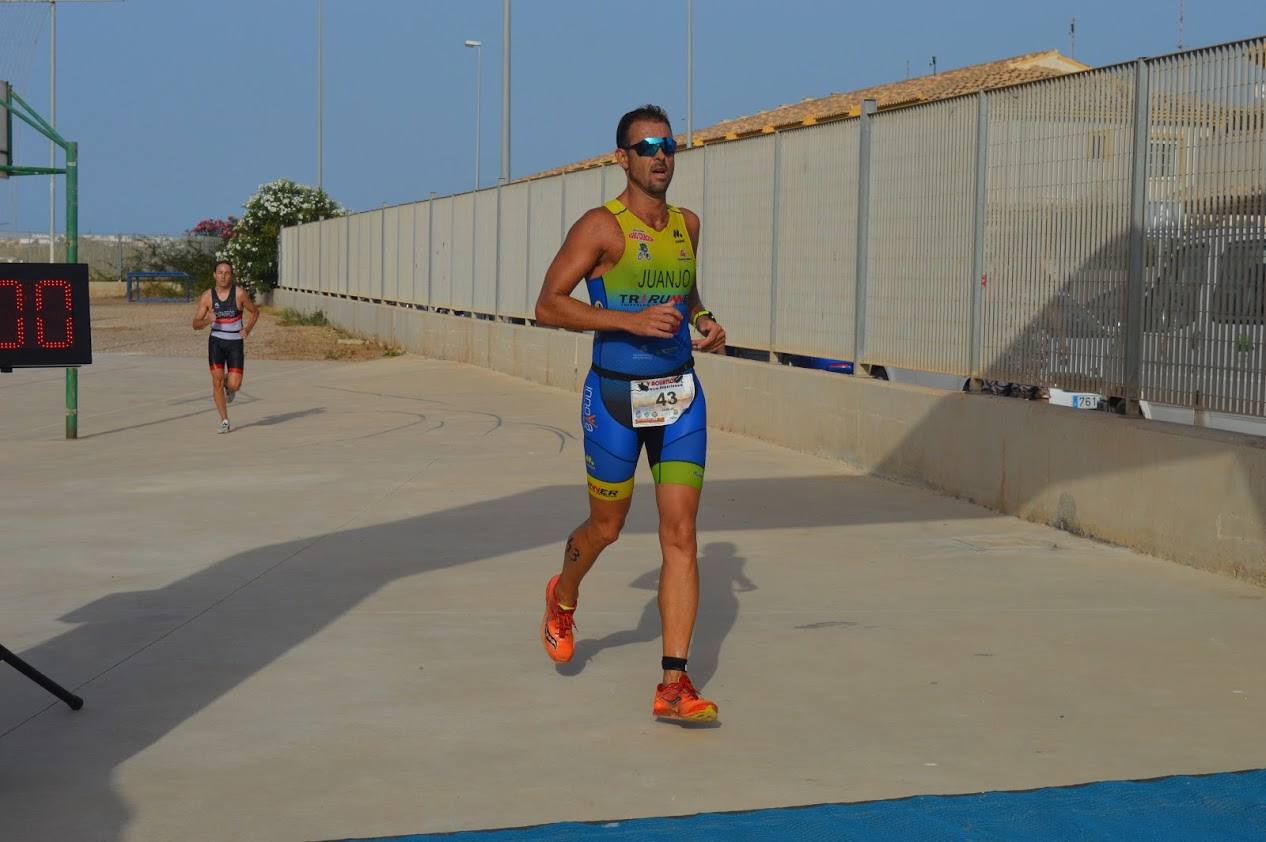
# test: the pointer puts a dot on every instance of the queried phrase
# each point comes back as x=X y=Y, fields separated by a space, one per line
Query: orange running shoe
x=681 y=701
x=556 y=628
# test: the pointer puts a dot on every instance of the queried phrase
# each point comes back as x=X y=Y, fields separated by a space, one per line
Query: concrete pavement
x=324 y=624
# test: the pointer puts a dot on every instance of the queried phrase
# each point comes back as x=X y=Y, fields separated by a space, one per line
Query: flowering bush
x=252 y=245
x=222 y=228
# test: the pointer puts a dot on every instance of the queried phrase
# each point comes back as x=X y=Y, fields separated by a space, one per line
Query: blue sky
x=183 y=108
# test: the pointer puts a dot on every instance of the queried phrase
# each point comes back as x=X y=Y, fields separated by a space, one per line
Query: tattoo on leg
x=573 y=552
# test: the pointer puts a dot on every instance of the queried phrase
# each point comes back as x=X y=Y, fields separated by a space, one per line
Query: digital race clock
x=44 y=315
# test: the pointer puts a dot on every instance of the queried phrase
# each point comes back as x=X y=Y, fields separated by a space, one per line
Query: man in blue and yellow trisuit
x=636 y=253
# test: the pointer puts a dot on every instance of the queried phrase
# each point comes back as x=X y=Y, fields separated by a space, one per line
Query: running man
x=223 y=305
x=637 y=256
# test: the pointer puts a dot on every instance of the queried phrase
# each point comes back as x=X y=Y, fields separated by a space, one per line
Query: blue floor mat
x=1230 y=805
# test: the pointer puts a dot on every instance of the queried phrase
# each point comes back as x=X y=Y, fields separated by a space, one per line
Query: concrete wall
x=1189 y=495
x=107 y=289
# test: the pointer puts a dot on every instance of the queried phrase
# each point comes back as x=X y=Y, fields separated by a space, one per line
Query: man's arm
x=202 y=317
x=713 y=340
x=595 y=240
x=248 y=304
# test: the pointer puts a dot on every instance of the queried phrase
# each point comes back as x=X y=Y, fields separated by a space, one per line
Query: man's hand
x=713 y=341
x=661 y=321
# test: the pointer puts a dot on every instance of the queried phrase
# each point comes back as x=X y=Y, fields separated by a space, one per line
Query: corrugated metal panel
x=582 y=191
x=289 y=274
x=1204 y=312
x=351 y=281
x=294 y=274
x=817 y=241
x=296 y=252
x=687 y=187
x=485 y=300
x=404 y=253
x=442 y=252
x=359 y=245
x=513 y=272
x=290 y=256
x=613 y=181
x=351 y=255
x=324 y=275
x=737 y=238
x=463 y=252
x=389 y=234
x=296 y=257
x=285 y=257
x=391 y=254
x=922 y=237
x=334 y=262
x=545 y=230
x=421 y=254
x=309 y=256
x=1056 y=237
x=375 y=247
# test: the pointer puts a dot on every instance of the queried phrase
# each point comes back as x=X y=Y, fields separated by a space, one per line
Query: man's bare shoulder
x=597 y=225
x=690 y=216
x=600 y=219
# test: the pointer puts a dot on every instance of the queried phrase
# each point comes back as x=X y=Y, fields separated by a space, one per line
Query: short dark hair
x=220 y=263
x=645 y=112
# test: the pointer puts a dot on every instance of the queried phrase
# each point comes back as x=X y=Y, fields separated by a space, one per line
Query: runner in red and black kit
x=222 y=307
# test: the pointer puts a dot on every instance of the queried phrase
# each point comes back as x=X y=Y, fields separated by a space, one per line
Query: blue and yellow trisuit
x=657 y=267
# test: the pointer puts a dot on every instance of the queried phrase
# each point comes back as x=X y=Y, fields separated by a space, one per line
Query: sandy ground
x=164 y=330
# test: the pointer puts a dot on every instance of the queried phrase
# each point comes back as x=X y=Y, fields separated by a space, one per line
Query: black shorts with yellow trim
x=677 y=452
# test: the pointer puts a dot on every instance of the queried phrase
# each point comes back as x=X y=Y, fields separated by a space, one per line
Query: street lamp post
x=52 y=117
x=477 y=47
x=690 y=73
x=505 y=92
x=320 y=69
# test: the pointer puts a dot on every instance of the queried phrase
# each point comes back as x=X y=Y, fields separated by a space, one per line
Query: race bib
x=661 y=400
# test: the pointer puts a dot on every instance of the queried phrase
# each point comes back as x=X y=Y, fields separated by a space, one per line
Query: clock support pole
x=41 y=679
x=12 y=105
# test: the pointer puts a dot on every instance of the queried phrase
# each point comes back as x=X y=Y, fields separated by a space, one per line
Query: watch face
x=44 y=317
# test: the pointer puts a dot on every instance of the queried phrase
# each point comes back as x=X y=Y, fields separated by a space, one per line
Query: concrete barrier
x=1193 y=496
x=107 y=289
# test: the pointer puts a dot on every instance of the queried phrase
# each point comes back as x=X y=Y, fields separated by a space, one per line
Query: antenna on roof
x=1180 y=22
x=907 y=68
x=933 y=65
x=1072 y=39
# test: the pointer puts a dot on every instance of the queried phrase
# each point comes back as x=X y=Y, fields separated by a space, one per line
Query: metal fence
x=109 y=256
x=1102 y=232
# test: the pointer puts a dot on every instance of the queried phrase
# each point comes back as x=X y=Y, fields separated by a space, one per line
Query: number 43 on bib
x=661 y=400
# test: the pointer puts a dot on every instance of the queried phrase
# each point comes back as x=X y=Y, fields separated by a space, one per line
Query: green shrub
x=290 y=317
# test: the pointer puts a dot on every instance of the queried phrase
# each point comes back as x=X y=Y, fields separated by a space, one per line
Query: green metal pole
x=72 y=403
x=72 y=202
x=72 y=256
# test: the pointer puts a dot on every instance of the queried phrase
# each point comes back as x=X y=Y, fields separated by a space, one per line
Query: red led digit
x=41 y=338
x=11 y=336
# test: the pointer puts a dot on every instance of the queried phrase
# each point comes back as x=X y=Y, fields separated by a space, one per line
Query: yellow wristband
x=694 y=320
